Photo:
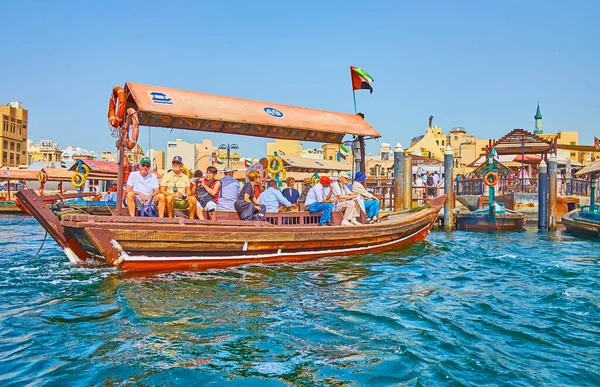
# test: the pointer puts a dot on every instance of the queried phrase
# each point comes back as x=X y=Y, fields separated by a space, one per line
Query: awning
x=592 y=167
x=182 y=109
x=18 y=174
x=99 y=170
x=301 y=164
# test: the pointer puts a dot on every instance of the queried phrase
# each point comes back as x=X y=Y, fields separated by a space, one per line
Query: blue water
x=514 y=309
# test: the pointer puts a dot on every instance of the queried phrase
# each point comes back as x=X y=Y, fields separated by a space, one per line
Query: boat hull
x=579 y=226
x=512 y=221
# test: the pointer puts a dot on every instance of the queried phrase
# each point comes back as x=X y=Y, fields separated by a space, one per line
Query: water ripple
x=515 y=309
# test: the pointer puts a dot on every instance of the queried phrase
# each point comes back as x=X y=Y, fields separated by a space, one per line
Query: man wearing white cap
x=346 y=200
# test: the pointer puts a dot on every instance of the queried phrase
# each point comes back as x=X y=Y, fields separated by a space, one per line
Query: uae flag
x=360 y=79
x=596 y=144
x=343 y=153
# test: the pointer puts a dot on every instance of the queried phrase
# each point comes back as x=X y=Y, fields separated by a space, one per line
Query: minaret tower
x=538 y=121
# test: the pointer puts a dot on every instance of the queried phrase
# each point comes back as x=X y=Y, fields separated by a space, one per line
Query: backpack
x=430 y=181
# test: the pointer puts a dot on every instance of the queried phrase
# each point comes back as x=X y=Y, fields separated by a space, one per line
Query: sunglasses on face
x=145 y=165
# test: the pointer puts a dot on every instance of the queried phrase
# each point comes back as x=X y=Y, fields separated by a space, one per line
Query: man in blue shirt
x=230 y=189
x=272 y=198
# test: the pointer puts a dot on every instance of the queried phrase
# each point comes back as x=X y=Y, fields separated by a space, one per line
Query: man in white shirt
x=346 y=200
x=319 y=199
x=143 y=190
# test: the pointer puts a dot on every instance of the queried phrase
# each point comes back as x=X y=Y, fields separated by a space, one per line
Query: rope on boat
x=40 y=249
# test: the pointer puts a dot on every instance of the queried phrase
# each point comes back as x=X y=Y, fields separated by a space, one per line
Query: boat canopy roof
x=18 y=174
x=182 y=109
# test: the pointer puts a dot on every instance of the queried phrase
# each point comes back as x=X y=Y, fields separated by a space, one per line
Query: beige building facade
x=13 y=137
x=45 y=150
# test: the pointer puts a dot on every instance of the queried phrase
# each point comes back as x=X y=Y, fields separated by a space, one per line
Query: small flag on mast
x=360 y=79
x=596 y=144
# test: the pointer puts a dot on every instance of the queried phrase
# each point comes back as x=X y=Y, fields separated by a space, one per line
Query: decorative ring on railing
x=278 y=167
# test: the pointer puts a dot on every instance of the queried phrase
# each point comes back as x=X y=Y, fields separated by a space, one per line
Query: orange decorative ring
x=491 y=179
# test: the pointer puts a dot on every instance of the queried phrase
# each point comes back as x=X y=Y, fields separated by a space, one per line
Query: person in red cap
x=319 y=199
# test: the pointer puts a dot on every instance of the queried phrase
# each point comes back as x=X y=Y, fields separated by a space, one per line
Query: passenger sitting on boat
x=247 y=204
x=291 y=193
x=371 y=201
x=272 y=197
x=230 y=189
x=207 y=193
x=346 y=200
x=142 y=190
x=319 y=199
x=175 y=185
x=261 y=167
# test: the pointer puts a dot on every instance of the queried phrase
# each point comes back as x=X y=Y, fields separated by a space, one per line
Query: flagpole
x=354 y=96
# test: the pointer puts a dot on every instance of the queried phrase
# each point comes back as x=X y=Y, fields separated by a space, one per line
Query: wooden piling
x=552 y=169
x=543 y=196
x=398 y=176
x=448 y=189
x=407 y=186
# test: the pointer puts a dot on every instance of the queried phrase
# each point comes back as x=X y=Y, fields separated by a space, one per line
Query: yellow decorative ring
x=78 y=180
x=314 y=180
x=283 y=174
x=42 y=177
x=279 y=165
x=86 y=170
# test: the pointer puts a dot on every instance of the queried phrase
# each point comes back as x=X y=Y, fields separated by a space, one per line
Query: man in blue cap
x=371 y=201
x=142 y=190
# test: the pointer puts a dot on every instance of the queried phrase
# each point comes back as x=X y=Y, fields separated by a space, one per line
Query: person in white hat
x=346 y=200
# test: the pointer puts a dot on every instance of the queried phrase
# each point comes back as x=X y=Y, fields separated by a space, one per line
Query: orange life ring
x=116 y=107
x=493 y=181
x=132 y=121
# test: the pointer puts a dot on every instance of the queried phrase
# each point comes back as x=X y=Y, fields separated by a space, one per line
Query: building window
x=5 y=145
x=437 y=142
x=12 y=146
x=18 y=147
x=12 y=158
x=5 y=157
x=573 y=143
x=456 y=138
x=442 y=142
x=18 y=159
x=572 y=154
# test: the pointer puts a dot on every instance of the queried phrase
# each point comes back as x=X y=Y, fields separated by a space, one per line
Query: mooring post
x=449 y=189
x=568 y=176
x=552 y=168
x=593 y=186
x=398 y=176
x=543 y=196
x=407 y=186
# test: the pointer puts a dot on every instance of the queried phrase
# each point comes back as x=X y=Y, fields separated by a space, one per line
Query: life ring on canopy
x=133 y=121
x=283 y=174
x=490 y=179
x=42 y=177
x=279 y=167
x=78 y=180
x=116 y=107
x=314 y=180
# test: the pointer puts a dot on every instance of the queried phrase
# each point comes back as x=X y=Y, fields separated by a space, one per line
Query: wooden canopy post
x=398 y=176
x=121 y=172
x=363 y=161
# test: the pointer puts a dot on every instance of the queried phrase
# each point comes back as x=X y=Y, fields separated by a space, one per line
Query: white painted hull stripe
x=142 y=258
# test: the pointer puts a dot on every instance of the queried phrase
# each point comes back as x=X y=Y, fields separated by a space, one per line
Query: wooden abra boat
x=480 y=221
x=582 y=222
x=148 y=244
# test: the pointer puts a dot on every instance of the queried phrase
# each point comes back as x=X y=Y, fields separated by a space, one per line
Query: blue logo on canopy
x=160 y=98
x=273 y=112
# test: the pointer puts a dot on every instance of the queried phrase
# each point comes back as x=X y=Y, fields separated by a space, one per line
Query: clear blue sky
x=476 y=64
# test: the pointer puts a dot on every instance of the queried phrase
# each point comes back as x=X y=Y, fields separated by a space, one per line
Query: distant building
x=466 y=149
x=312 y=153
x=185 y=150
x=538 y=121
x=284 y=148
x=72 y=153
x=13 y=138
x=109 y=156
x=431 y=144
x=44 y=150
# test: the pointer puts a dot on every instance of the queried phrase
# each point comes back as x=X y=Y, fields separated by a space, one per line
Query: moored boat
x=481 y=221
x=583 y=222
x=149 y=244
